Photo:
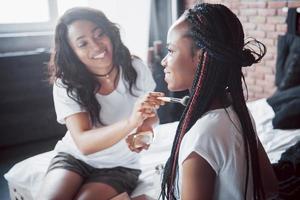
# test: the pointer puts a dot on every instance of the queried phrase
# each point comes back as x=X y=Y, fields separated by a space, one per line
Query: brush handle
x=170 y=99
x=165 y=99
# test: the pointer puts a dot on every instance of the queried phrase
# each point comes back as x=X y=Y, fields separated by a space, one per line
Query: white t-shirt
x=217 y=139
x=115 y=106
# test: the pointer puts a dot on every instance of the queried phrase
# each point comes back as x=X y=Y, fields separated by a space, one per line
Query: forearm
x=148 y=124
x=92 y=140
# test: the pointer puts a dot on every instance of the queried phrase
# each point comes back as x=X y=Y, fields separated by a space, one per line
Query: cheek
x=82 y=56
x=185 y=68
x=107 y=42
x=183 y=73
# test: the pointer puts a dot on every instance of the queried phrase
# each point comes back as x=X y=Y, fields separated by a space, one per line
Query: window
x=15 y=11
x=38 y=17
x=27 y=16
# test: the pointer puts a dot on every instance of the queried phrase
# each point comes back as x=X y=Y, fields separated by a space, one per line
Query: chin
x=173 y=89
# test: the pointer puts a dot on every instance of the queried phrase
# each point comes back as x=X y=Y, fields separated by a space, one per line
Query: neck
x=106 y=75
x=220 y=102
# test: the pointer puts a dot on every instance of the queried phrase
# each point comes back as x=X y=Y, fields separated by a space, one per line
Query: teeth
x=99 y=56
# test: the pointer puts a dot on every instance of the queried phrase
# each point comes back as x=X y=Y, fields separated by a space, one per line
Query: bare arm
x=148 y=124
x=90 y=140
x=198 y=178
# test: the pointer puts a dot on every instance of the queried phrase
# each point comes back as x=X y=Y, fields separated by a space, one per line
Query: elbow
x=84 y=149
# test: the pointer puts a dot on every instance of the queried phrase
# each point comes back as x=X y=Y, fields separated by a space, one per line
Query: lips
x=100 y=55
x=167 y=74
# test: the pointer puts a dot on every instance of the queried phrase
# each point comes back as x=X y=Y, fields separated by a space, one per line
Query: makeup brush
x=182 y=101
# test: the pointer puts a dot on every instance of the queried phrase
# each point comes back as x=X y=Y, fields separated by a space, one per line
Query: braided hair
x=73 y=73
x=219 y=34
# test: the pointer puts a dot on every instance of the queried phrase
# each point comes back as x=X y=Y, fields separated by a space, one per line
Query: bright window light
x=133 y=20
x=27 y=11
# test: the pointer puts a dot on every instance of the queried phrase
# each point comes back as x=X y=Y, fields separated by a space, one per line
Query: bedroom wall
x=263 y=20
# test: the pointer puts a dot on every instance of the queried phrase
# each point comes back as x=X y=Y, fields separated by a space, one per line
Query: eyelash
x=170 y=51
x=100 y=35
x=97 y=36
x=82 y=45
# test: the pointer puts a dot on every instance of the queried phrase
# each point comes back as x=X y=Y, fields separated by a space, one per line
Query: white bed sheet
x=25 y=178
x=275 y=141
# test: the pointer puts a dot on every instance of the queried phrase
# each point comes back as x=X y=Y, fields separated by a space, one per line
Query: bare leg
x=98 y=191
x=60 y=184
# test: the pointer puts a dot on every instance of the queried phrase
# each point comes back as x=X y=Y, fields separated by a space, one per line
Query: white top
x=216 y=139
x=114 y=107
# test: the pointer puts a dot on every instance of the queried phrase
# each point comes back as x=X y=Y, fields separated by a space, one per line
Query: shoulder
x=212 y=137
x=60 y=89
x=138 y=63
x=58 y=84
x=145 y=81
x=212 y=123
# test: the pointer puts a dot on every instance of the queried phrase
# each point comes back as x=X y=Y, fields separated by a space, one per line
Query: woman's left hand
x=131 y=141
x=134 y=141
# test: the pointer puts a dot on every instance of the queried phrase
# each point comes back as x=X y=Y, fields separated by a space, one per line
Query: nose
x=164 y=61
x=95 y=45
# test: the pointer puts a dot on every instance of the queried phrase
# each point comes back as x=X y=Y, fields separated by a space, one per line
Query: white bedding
x=275 y=141
x=25 y=178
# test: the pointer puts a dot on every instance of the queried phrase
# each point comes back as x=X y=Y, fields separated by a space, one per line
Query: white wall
x=133 y=16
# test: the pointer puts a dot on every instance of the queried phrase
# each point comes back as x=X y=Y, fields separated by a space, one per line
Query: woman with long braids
x=216 y=153
x=101 y=93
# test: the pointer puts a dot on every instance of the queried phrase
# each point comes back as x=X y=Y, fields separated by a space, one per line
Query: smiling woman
x=103 y=95
x=29 y=21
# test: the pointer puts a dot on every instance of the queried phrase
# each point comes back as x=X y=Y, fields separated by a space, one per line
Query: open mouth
x=100 y=55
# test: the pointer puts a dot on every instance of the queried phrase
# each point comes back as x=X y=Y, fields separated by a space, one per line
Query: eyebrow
x=82 y=36
x=170 y=44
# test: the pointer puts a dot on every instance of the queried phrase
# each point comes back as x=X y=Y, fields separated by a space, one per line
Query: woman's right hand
x=145 y=107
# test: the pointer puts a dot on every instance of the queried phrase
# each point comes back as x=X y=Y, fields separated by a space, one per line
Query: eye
x=170 y=51
x=99 y=34
x=82 y=44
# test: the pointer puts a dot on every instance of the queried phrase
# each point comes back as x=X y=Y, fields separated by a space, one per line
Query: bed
x=24 y=178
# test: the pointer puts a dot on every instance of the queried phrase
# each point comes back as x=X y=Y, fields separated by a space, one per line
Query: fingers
x=152 y=99
x=145 y=107
x=130 y=140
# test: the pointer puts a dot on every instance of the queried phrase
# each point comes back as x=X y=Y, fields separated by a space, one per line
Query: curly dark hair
x=218 y=32
x=81 y=84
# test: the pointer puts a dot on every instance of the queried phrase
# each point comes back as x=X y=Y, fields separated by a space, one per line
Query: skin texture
x=198 y=178
x=179 y=65
x=94 y=49
x=88 y=42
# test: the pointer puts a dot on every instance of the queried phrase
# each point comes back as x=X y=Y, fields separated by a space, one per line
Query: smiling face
x=92 y=46
x=180 y=63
